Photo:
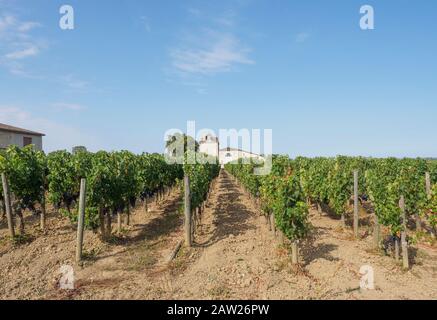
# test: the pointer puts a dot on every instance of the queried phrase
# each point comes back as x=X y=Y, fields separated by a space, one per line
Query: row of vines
x=115 y=182
x=293 y=185
x=281 y=196
x=200 y=176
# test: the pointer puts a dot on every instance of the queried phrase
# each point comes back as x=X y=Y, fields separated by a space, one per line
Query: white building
x=232 y=154
x=211 y=146
x=10 y=135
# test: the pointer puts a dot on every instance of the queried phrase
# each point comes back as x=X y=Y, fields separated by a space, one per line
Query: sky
x=132 y=69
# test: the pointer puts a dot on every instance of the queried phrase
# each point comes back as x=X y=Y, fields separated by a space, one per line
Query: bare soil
x=234 y=256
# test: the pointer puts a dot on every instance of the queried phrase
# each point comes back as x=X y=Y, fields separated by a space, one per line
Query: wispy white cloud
x=146 y=23
x=27 y=26
x=17 y=68
x=18 y=43
x=9 y=22
x=227 y=19
x=209 y=47
x=195 y=12
x=9 y=115
x=62 y=106
x=302 y=37
x=6 y=22
x=73 y=82
x=221 y=52
x=24 y=53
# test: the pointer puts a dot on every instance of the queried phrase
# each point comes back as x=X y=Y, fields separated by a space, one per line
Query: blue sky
x=131 y=70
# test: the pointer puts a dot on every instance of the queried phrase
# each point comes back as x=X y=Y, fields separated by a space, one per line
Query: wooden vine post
x=108 y=227
x=428 y=184
x=7 y=199
x=343 y=220
x=3 y=208
x=43 y=204
x=102 y=221
x=187 y=207
x=128 y=214
x=281 y=237
x=193 y=223
x=43 y=212
x=356 y=212
x=319 y=208
x=146 y=204
x=272 y=223
x=295 y=252
x=376 y=232
x=405 y=261
x=81 y=221
x=175 y=251
x=119 y=222
x=428 y=193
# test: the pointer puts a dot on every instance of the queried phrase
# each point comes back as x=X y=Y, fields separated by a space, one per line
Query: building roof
x=239 y=150
x=231 y=149
x=8 y=128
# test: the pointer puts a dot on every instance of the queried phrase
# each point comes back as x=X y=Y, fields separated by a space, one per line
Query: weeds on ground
x=91 y=255
x=21 y=239
x=220 y=292
x=180 y=262
x=422 y=237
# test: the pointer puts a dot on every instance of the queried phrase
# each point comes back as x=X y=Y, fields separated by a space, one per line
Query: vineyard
x=115 y=183
x=396 y=192
x=179 y=220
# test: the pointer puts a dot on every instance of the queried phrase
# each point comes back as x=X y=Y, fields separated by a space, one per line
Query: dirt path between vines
x=32 y=270
x=234 y=256
x=239 y=258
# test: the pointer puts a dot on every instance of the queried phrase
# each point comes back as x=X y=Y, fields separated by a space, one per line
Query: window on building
x=27 y=141
x=228 y=155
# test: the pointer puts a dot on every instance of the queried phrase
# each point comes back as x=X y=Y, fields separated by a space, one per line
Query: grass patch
x=21 y=239
x=422 y=237
x=375 y=251
x=115 y=239
x=350 y=290
x=281 y=265
x=4 y=241
x=91 y=255
x=219 y=291
x=139 y=262
x=143 y=256
x=180 y=262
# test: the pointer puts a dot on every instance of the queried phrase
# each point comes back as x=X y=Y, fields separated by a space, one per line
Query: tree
x=175 y=147
x=79 y=149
